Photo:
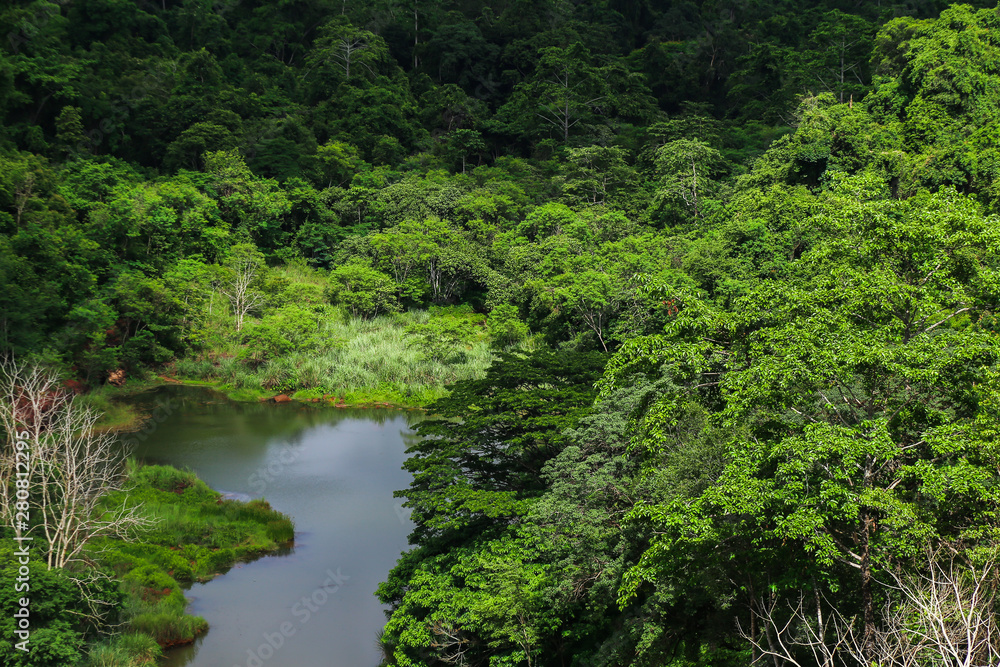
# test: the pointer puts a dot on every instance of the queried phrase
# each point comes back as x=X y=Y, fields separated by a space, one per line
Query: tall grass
x=128 y=650
x=194 y=534
x=353 y=360
x=298 y=342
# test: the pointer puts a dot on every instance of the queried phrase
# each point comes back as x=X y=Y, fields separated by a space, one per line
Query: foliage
x=57 y=615
x=506 y=328
x=776 y=222
x=363 y=291
x=194 y=535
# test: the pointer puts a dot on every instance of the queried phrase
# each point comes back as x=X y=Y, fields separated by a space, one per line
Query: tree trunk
x=867 y=594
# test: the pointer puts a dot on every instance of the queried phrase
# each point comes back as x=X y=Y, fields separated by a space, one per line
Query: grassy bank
x=403 y=359
x=296 y=342
x=117 y=414
x=194 y=536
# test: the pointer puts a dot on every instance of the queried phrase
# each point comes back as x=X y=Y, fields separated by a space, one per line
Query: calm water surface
x=333 y=471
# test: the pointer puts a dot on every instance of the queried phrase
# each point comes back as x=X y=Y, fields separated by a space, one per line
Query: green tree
x=590 y=294
x=257 y=206
x=432 y=250
x=159 y=223
x=506 y=328
x=566 y=89
x=186 y=151
x=339 y=162
x=149 y=315
x=476 y=472
x=363 y=291
x=689 y=180
x=343 y=52
x=461 y=143
x=840 y=60
x=850 y=401
x=69 y=129
x=598 y=174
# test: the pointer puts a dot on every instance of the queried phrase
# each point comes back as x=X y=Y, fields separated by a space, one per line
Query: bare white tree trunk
x=30 y=398
x=796 y=634
x=944 y=613
x=81 y=466
x=239 y=289
x=68 y=468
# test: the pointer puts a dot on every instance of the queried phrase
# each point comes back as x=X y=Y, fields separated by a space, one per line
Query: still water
x=333 y=471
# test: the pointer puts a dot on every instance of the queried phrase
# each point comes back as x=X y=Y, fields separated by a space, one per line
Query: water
x=333 y=471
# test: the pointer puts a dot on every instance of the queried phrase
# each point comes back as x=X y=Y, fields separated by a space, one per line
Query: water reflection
x=334 y=471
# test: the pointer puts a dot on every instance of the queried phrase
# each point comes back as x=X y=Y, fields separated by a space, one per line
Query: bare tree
x=79 y=466
x=68 y=467
x=800 y=634
x=245 y=267
x=347 y=50
x=29 y=399
x=944 y=613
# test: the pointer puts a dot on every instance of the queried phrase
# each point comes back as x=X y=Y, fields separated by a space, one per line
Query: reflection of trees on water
x=211 y=414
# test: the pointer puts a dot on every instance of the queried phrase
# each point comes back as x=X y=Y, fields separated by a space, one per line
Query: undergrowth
x=194 y=534
x=402 y=358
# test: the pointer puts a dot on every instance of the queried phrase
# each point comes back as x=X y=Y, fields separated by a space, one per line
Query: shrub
x=218 y=560
x=139 y=648
x=167 y=478
x=506 y=328
x=172 y=563
x=150 y=583
x=442 y=340
x=169 y=627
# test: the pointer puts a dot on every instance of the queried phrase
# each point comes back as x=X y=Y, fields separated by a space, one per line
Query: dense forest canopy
x=143 y=140
x=735 y=264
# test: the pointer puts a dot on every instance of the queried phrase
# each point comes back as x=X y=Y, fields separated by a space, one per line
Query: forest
x=700 y=298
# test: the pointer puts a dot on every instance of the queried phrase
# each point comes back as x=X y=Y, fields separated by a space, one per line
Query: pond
x=333 y=471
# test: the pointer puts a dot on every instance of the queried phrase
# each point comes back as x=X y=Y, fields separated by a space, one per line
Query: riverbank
x=194 y=535
x=401 y=360
x=334 y=471
x=123 y=417
x=343 y=399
